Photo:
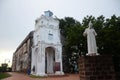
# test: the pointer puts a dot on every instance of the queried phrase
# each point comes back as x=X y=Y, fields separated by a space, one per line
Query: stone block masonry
x=96 y=68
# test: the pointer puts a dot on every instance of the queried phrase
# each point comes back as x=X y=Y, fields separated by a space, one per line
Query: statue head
x=90 y=24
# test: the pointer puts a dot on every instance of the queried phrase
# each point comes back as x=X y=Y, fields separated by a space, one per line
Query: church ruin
x=41 y=50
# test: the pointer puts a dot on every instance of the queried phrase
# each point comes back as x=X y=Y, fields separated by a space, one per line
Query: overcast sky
x=17 y=17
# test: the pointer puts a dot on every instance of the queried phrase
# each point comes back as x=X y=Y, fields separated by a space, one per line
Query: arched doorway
x=49 y=60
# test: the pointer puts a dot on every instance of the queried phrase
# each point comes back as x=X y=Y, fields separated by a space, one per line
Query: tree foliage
x=108 y=38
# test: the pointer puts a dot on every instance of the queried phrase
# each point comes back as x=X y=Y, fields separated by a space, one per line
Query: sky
x=17 y=17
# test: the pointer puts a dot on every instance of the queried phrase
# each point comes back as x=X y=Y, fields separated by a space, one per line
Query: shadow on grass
x=4 y=75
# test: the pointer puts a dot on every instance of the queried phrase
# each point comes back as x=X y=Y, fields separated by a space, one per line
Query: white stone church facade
x=45 y=51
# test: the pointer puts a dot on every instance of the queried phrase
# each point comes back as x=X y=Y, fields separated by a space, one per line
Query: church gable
x=48 y=22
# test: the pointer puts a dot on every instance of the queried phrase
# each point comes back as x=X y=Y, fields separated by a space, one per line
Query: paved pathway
x=20 y=76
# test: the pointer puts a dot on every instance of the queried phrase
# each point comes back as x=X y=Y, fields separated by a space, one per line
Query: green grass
x=33 y=76
x=4 y=75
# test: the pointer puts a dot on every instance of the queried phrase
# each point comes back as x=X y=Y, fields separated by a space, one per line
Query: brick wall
x=96 y=68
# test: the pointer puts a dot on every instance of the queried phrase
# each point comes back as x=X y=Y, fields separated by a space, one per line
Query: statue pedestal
x=96 y=68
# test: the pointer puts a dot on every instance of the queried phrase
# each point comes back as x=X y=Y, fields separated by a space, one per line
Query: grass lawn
x=4 y=75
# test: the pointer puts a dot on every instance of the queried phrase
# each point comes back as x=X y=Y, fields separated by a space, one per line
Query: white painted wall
x=47 y=34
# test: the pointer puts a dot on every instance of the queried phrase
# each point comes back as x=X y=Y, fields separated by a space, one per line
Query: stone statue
x=91 y=41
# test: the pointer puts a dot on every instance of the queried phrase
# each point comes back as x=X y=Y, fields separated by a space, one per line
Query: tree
x=75 y=45
x=112 y=36
x=4 y=67
x=108 y=38
x=70 y=29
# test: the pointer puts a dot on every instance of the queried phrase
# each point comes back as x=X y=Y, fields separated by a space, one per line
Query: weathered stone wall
x=22 y=57
x=96 y=68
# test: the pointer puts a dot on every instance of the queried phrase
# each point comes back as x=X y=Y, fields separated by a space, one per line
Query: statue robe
x=91 y=41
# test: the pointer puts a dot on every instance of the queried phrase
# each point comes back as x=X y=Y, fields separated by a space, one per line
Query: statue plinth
x=96 y=68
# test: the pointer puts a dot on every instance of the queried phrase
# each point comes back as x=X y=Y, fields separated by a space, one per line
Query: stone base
x=96 y=68
x=39 y=74
x=59 y=73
